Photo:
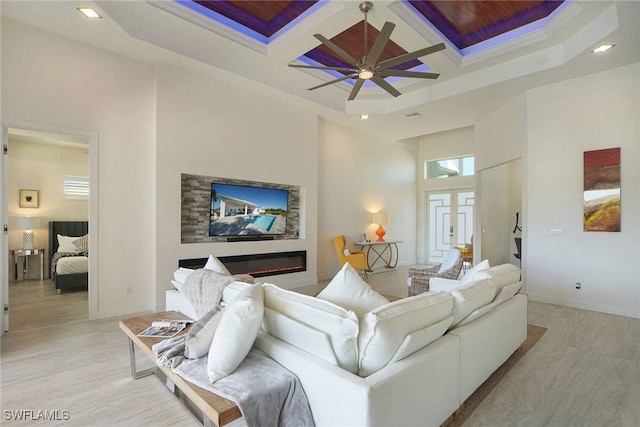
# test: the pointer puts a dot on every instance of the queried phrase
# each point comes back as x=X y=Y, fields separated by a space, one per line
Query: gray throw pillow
x=199 y=337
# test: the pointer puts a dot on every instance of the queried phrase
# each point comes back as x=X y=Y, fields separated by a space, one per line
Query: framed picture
x=601 y=196
x=29 y=199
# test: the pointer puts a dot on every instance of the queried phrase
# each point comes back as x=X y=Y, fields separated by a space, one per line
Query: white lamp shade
x=380 y=218
x=24 y=222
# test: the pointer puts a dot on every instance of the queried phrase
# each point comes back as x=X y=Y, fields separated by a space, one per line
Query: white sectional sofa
x=363 y=366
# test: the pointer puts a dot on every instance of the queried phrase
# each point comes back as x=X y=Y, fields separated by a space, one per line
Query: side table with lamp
x=22 y=256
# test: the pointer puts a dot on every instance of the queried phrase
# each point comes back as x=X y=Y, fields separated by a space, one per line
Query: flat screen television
x=247 y=210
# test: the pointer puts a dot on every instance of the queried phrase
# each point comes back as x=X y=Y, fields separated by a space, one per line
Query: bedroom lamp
x=380 y=218
x=26 y=223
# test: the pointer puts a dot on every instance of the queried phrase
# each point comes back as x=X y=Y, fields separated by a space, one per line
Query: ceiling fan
x=368 y=68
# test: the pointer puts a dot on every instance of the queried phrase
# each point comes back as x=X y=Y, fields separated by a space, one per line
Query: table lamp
x=380 y=218
x=27 y=223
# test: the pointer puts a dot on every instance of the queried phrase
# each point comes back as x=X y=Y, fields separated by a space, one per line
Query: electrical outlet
x=128 y=289
x=578 y=285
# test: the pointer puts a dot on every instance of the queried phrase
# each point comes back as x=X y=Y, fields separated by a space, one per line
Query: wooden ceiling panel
x=468 y=22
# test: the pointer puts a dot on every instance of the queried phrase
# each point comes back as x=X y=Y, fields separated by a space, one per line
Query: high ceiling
x=494 y=49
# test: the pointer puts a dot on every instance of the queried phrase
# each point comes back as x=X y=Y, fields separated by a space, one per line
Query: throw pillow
x=180 y=275
x=65 y=244
x=470 y=275
x=349 y=291
x=383 y=330
x=236 y=333
x=82 y=243
x=214 y=264
x=340 y=326
x=198 y=340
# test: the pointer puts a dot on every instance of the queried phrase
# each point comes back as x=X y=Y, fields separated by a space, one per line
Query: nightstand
x=24 y=255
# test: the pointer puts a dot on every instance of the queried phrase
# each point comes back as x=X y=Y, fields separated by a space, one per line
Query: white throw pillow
x=339 y=325
x=180 y=275
x=214 y=264
x=232 y=290
x=384 y=329
x=236 y=333
x=349 y=291
x=65 y=244
x=198 y=340
x=471 y=297
x=470 y=275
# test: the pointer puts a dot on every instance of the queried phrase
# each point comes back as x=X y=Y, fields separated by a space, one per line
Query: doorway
x=33 y=156
x=449 y=222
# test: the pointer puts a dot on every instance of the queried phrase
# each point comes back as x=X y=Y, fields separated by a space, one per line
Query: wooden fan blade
x=322 y=67
x=384 y=85
x=337 y=49
x=334 y=81
x=379 y=44
x=410 y=56
x=403 y=73
x=356 y=89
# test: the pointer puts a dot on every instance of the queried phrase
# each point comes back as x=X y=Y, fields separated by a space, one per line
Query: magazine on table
x=165 y=328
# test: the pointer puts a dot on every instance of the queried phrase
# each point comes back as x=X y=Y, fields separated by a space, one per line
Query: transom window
x=447 y=168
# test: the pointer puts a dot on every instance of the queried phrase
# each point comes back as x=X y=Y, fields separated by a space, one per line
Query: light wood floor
x=35 y=303
x=585 y=371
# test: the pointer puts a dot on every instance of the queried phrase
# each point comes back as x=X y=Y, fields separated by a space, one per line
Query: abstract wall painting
x=601 y=197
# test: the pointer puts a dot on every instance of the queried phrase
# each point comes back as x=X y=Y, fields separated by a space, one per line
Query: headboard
x=66 y=228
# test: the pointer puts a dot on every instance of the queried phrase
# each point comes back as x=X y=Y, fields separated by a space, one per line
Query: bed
x=69 y=270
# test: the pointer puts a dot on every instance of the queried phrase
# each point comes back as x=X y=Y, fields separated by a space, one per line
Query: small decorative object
x=380 y=218
x=601 y=197
x=29 y=199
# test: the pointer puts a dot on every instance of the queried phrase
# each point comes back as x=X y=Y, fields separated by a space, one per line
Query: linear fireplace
x=257 y=265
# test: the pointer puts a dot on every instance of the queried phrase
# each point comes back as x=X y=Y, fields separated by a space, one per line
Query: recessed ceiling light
x=364 y=116
x=602 y=48
x=89 y=12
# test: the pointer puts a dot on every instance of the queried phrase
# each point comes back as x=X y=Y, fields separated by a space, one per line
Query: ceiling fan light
x=365 y=74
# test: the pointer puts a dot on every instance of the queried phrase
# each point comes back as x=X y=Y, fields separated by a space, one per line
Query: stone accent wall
x=196 y=199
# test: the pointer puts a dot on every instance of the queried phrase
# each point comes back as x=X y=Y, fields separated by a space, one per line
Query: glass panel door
x=443 y=233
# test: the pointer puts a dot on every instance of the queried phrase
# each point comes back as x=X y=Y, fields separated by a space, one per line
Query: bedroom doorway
x=44 y=160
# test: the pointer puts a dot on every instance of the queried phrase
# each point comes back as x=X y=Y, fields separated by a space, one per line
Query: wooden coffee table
x=214 y=409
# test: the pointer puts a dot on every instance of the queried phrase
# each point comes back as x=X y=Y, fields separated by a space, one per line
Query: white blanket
x=204 y=289
x=267 y=394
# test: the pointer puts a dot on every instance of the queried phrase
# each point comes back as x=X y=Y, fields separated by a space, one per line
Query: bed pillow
x=82 y=243
x=214 y=264
x=198 y=340
x=65 y=244
x=236 y=333
x=349 y=291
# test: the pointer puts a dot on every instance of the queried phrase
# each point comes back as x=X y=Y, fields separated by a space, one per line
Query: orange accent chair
x=357 y=259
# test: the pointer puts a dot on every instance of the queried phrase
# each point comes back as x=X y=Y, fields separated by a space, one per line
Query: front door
x=450 y=222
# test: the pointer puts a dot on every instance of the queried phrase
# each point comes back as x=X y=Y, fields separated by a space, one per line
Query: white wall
x=564 y=120
x=359 y=174
x=214 y=127
x=51 y=80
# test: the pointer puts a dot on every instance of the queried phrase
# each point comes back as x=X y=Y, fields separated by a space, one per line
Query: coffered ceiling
x=494 y=49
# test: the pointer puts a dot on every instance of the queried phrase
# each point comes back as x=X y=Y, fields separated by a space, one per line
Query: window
x=75 y=187
x=446 y=168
